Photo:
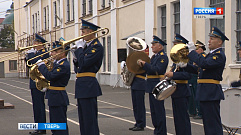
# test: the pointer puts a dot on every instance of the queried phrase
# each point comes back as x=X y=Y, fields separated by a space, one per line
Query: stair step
x=8 y=106
x=1 y=103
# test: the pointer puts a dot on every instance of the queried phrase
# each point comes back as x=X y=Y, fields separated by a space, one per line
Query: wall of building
x=126 y=17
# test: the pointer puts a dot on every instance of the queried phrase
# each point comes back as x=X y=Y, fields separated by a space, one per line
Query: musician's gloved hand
x=123 y=63
x=32 y=50
x=235 y=84
x=72 y=50
x=40 y=62
x=81 y=43
x=191 y=46
x=44 y=90
x=181 y=64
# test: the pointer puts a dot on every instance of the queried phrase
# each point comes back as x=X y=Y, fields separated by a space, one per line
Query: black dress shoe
x=137 y=129
x=37 y=132
x=131 y=128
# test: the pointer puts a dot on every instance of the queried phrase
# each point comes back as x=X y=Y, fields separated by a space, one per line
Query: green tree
x=7 y=36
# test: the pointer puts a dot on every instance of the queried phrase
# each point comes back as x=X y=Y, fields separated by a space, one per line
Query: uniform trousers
x=57 y=114
x=88 y=116
x=139 y=110
x=38 y=106
x=158 y=115
x=181 y=117
x=211 y=117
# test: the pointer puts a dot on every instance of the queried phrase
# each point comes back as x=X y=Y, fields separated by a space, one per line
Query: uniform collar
x=215 y=50
x=60 y=60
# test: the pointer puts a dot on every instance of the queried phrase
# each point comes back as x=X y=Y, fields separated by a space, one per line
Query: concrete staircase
x=5 y=105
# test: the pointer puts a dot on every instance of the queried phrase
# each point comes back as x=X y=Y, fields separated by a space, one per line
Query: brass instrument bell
x=179 y=53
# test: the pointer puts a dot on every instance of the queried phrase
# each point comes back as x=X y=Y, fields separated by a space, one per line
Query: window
x=103 y=4
x=73 y=9
x=45 y=18
x=12 y=65
x=177 y=17
x=238 y=30
x=219 y=23
x=163 y=25
x=68 y=11
x=84 y=8
x=48 y=16
x=36 y=24
x=55 y=14
x=90 y=7
x=104 y=56
x=109 y=52
x=33 y=23
x=109 y=3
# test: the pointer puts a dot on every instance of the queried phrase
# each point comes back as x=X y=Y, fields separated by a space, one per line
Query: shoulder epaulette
x=203 y=55
x=218 y=52
x=43 y=50
x=61 y=63
x=162 y=53
x=95 y=43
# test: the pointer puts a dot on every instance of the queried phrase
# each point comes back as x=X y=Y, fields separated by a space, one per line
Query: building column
x=114 y=62
x=149 y=22
x=50 y=18
x=62 y=17
x=95 y=11
x=40 y=15
x=186 y=19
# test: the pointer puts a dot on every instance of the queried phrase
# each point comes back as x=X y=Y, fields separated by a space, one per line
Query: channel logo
x=206 y=13
x=41 y=126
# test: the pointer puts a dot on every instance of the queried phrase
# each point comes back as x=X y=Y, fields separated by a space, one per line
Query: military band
x=155 y=71
x=209 y=91
x=56 y=94
x=88 y=61
x=181 y=95
x=37 y=95
x=205 y=70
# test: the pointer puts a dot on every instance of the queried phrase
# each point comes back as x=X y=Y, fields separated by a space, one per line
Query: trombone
x=21 y=49
x=104 y=31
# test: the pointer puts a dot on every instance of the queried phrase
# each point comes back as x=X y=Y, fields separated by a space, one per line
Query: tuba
x=135 y=46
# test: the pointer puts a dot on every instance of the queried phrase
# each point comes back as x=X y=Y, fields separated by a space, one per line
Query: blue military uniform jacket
x=89 y=59
x=139 y=83
x=157 y=66
x=59 y=77
x=31 y=55
x=211 y=67
x=182 y=90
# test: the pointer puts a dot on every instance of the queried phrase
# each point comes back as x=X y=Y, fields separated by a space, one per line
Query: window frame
x=175 y=13
x=15 y=66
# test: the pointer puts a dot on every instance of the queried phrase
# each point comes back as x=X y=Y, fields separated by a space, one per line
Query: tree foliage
x=7 y=37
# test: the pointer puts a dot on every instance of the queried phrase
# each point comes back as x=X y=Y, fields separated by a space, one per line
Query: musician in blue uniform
x=138 y=101
x=89 y=55
x=237 y=83
x=194 y=107
x=37 y=95
x=56 y=94
x=181 y=95
x=155 y=71
x=209 y=90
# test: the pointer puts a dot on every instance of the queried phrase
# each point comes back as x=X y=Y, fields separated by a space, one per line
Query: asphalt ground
x=115 y=114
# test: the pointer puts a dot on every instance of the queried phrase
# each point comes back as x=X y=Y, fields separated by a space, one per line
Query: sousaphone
x=137 y=46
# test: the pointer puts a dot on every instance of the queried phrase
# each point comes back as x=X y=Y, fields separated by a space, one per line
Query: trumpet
x=104 y=31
